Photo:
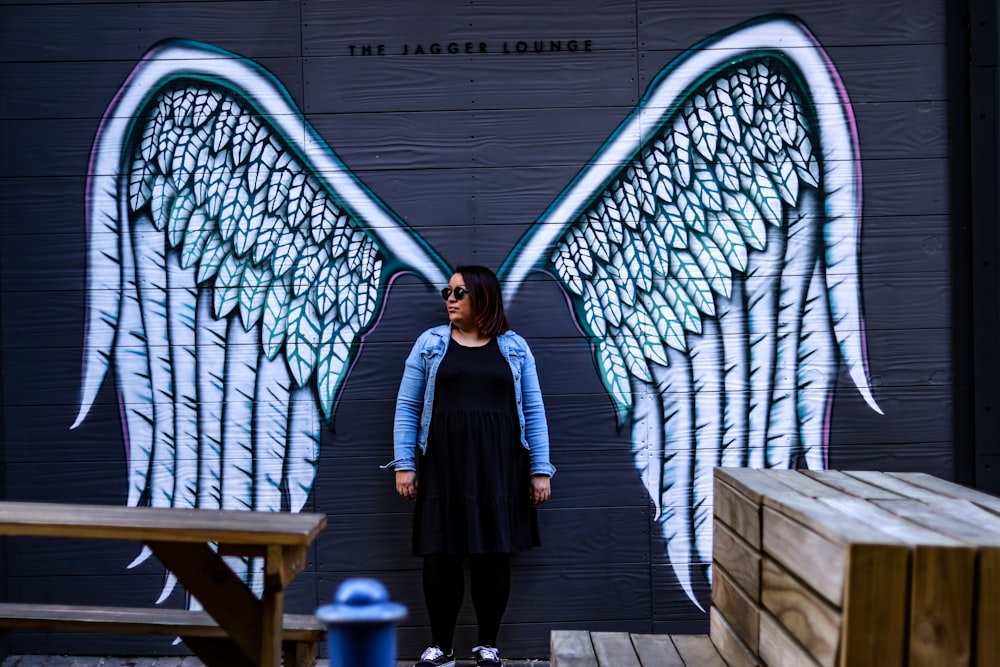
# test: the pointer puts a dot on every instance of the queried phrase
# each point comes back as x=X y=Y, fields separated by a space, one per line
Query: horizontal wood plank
x=572 y=648
x=161 y=524
x=742 y=613
x=737 y=511
x=778 y=648
x=656 y=651
x=799 y=548
x=614 y=648
x=811 y=620
x=697 y=651
x=737 y=558
x=154 y=621
x=950 y=489
x=727 y=642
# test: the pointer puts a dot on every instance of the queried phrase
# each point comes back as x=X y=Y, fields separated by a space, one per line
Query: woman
x=472 y=449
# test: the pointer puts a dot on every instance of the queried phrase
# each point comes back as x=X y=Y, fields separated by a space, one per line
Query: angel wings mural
x=708 y=252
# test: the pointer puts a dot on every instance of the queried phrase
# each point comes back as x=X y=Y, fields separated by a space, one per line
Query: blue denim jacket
x=414 y=403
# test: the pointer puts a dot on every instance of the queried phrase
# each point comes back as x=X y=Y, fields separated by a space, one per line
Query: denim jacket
x=414 y=403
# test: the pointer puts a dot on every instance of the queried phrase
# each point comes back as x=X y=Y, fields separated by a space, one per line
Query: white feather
x=242 y=359
x=151 y=278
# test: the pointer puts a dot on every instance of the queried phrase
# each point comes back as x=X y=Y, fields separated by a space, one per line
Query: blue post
x=361 y=625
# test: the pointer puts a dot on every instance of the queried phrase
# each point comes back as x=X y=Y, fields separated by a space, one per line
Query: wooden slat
x=811 y=620
x=895 y=484
x=799 y=548
x=801 y=483
x=129 y=620
x=949 y=489
x=988 y=609
x=740 y=611
x=824 y=516
x=755 y=484
x=614 y=649
x=874 y=610
x=657 y=651
x=941 y=603
x=156 y=523
x=727 y=642
x=779 y=649
x=739 y=512
x=737 y=558
x=572 y=648
x=697 y=651
x=850 y=485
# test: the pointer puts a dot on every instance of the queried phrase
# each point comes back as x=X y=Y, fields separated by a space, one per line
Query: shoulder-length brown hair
x=487 y=299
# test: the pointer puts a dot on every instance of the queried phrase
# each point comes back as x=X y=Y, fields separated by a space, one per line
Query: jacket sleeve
x=409 y=404
x=535 y=426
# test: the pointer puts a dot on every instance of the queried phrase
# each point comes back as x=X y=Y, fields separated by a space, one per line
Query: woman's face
x=459 y=310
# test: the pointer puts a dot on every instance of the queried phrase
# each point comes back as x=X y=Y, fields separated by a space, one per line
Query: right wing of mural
x=710 y=251
x=234 y=264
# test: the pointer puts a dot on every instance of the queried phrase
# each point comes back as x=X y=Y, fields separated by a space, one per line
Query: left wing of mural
x=234 y=264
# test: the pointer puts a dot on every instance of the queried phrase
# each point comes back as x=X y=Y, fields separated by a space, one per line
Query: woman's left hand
x=541 y=489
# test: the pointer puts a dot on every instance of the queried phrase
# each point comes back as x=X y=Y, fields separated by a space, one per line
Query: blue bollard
x=361 y=625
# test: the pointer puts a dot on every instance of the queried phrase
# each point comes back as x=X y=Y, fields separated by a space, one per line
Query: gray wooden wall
x=469 y=149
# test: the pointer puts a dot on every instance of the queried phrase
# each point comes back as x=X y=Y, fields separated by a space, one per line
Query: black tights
x=444 y=589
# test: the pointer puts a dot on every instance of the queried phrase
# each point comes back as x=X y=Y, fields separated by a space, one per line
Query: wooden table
x=836 y=569
x=183 y=541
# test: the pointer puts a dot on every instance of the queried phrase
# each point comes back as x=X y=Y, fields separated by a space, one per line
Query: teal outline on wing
x=234 y=266
x=710 y=251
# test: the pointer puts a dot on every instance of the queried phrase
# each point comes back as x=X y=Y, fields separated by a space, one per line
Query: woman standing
x=471 y=447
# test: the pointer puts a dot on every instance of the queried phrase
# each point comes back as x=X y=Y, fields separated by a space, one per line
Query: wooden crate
x=834 y=569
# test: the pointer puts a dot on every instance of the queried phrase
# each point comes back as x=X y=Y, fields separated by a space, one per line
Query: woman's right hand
x=406 y=484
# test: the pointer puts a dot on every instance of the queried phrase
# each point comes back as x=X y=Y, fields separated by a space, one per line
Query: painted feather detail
x=720 y=225
x=234 y=266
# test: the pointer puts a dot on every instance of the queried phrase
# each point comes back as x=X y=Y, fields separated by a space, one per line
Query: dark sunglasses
x=459 y=293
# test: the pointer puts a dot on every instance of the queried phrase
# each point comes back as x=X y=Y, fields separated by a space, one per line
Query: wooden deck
x=579 y=648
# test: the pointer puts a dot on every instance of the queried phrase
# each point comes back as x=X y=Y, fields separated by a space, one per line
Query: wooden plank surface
x=182 y=622
x=614 y=648
x=657 y=651
x=799 y=548
x=949 y=489
x=978 y=528
x=742 y=613
x=740 y=561
x=778 y=648
x=697 y=651
x=155 y=523
x=572 y=648
x=736 y=510
x=854 y=486
x=941 y=585
x=988 y=609
x=803 y=614
x=875 y=605
x=727 y=642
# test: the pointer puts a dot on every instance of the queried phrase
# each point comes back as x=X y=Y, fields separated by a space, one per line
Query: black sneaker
x=433 y=656
x=487 y=656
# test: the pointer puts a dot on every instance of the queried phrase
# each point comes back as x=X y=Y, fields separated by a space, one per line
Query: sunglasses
x=459 y=293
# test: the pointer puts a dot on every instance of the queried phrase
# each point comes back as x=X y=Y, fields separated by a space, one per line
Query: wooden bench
x=300 y=633
x=835 y=569
x=237 y=629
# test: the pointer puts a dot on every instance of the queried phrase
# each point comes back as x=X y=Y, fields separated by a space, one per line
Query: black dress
x=473 y=483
